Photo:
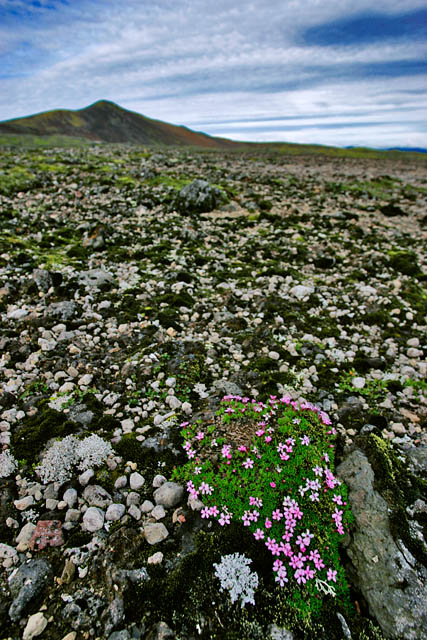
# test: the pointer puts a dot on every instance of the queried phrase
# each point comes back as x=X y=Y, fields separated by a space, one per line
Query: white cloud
x=197 y=61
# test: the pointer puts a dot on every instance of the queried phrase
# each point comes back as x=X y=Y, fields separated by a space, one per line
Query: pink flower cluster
x=337 y=518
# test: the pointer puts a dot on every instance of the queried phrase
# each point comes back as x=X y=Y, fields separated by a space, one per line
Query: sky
x=337 y=72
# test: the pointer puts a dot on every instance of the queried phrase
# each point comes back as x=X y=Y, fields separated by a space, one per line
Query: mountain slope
x=105 y=121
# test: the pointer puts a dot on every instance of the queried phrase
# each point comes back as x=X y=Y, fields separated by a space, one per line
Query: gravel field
x=137 y=288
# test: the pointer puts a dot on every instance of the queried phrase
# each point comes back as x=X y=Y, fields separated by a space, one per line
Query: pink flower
x=277 y=514
x=200 y=435
x=248 y=463
x=256 y=502
x=297 y=561
x=242 y=448
x=273 y=485
x=226 y=451
x=267 y=439
x=332 y=575
x=338 y=499
x=268 y=524
x=305 y=440
x=205 y=489
x=214 y=511
x=260 y=432
x=206 y=512
x=224 y=518
x=318 y=471
x=259 y=534
x=300 y=576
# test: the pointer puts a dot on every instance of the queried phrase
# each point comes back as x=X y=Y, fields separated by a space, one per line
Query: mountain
x=105 y=121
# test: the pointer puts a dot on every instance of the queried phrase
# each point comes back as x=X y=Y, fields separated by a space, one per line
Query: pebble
x=158 y=481
x=169 y=494
x=24 y=503
x=70 y=497
x=136 y=480
x=97 y=496
x=93 y=519
x=86 y=476
x=121 y=482
x=36 y=624
x=134 y=512
x=158 y=512
x=156 y=558
x=146 y=506
x=115 y=511
x=358 y=382
x=155 y=532
x=85 y=380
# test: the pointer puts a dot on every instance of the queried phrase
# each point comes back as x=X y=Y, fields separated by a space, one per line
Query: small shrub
x=271 y=468
x=236 y=577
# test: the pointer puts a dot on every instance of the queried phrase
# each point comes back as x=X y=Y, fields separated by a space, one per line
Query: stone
x=115 y=511
x=169 y=494
x=146 y=506
x=300 y=291
x=394 y=586
x=158 y=512
x=70 y=497
x=97 y=496
x=132 y=498
x=93 y=519
x=7 y=552
x=135 y=512
x=120 y=635
x=25 y=535
x=36 y=624
x=48 y=533
x=160 y=631
x=198 y=197
x=24 y=503
x=72 y=515
x=63 y=310
x=136 y=480
x=158 y=481
x=121 y=482
x=155 y=532
x=358 y=382
x=278 y=633
x=86 y=476
x=96 y=278
x=26 y=583
x=156 y=558
x=85 y=380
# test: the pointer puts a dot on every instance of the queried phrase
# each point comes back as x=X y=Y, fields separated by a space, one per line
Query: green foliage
x=271 y=457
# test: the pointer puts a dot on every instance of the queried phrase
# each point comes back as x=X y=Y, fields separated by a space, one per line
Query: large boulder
x=198 y=197
x=392 y=580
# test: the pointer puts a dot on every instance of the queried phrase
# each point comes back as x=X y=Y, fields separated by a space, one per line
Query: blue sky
x=315 y=71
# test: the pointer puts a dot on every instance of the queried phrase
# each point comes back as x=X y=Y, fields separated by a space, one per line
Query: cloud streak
x=360 y=76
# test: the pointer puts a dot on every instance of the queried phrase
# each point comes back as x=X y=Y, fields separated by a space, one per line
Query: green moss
x=404 y=261
x=29 y=439
x=398 y=486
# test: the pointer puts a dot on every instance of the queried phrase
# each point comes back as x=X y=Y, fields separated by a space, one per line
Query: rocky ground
x=139 y=287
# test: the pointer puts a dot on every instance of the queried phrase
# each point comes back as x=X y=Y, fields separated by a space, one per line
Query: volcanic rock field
x=138 y=287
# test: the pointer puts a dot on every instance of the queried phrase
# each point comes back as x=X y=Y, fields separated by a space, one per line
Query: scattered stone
x=136 y=481
x=48 y=533
x=158 y=512
x=169 y=494
x=93 y=519
x=156 y=558
x=115 y=512
x=155 y=532
x=26 y=583
x=97 y=496
x=35 y=626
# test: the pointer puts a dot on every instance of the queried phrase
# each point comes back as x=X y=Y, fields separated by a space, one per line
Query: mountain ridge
x=106 y=121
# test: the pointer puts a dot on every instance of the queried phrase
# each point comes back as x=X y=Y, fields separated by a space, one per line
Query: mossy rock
x=404 y=261
x=398 y=486
x=30 y=438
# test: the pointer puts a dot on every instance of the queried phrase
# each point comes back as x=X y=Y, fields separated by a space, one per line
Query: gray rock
x=86 y=476
x=96 y=278
x=70 y=497
x=158 y=512
x=62 y=311
x=97 y=496
x=198 y=197
x=155 y=532
x=394 y=585
x=26 y=585
x=169 y=494
x=278 y=633
x=158 y=481
x=93 y=519
x=120 y=635
x=115 y=614
x=115 y=512
x=136 y=480
x=133 y=498
x=160 y=631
